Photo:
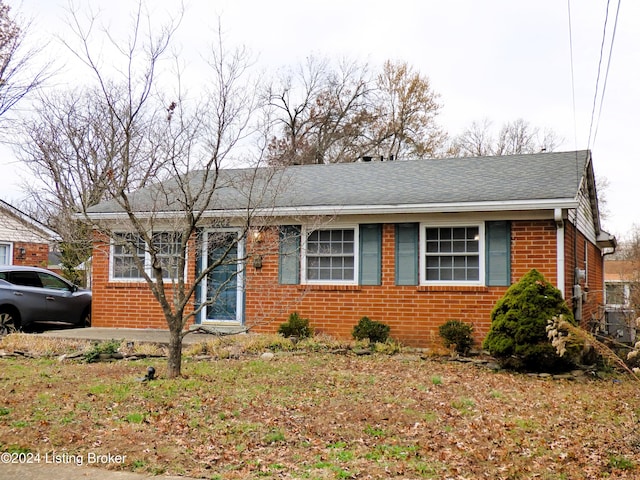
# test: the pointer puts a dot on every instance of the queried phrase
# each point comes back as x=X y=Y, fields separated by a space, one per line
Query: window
x=52 y=282
x=168 y=248
x=5 y=254
x=128 y=246
x=330 y=256
x=452 y=254
x=616 y=294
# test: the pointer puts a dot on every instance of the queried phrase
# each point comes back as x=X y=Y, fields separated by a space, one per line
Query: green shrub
x=458 y=335
x=376 y=332
x=296 y=326
x=518 y=336
x=106 y=347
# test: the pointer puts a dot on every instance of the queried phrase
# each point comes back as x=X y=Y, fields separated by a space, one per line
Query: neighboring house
x=622 y=296
x=23 y=239
x=409 y=243
x=619 y=277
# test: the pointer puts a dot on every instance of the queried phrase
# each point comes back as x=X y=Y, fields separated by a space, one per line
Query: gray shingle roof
x=513 y=178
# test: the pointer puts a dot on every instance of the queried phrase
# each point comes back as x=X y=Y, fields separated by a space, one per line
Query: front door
x=223 y=285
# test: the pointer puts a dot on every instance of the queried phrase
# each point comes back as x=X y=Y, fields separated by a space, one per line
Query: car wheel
x=86 y=318
x=9 y=321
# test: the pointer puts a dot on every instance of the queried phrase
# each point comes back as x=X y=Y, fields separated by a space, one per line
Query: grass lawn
x=321 y=415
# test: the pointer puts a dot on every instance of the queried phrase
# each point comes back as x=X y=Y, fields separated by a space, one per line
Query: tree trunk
x=174 y=362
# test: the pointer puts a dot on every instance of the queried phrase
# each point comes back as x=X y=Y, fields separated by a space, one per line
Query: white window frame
x=9 y=253
x=626 y=294
x=240 y=281
x=306 y=231
x=147 y=260
x=422 y=264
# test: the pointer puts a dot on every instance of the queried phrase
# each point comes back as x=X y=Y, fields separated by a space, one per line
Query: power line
x=573 y=83
x=573 y=94
x=606 y=76
x=595 y=95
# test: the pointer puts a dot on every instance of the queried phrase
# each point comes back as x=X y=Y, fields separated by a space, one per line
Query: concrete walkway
x=131 y=334
x=44 y=471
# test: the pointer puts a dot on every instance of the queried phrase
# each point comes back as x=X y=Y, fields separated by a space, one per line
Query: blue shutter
x=370 y=254
x=498 y=253
x=289 y=255
x=407 y=254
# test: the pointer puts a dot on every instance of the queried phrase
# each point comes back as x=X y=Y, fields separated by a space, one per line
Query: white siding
x=13 y=230
x=584 y=216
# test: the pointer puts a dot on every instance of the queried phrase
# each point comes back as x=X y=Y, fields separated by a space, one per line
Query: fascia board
x=302 y=210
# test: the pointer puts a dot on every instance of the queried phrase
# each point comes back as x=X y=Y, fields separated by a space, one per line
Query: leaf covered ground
x=319 y=415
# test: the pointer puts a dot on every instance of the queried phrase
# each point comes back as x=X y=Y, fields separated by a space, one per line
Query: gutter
x=467 y=207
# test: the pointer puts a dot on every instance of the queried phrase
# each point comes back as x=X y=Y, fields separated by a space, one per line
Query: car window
x=49 y=281
x=4 y=276
x=27 y=279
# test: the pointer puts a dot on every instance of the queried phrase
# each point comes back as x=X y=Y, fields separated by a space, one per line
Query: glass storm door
x=223 y=283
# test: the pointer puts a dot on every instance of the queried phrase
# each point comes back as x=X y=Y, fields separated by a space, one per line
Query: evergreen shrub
x=518 y=336
x=296 y=326
x=458 y=335
x=376 y=332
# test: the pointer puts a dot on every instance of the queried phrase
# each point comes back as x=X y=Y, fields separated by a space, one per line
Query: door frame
x=202 y=288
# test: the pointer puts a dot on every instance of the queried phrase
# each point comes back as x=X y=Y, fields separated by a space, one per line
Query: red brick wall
x=123 y=304
x=413 y=312
x=594 y=266
x=36 y=254
x=534 y=245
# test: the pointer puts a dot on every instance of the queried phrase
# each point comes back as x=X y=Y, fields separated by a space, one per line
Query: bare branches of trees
x=516 y=137
x=18 y=73
x=405 y=114
x=330 y=114
x=319 y=110
x=134 y=142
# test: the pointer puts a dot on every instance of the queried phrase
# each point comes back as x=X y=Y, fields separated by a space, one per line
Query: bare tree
x=319 y=110
x=404 y=113
x=153 y=163
x=18 y=73
x=329 y=115
x=475 y=141
x=516 y=137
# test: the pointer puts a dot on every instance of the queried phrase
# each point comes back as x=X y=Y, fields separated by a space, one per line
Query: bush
x=376 y=332
x=296 y=326
x=106 y=347
x=458 y=335
x=518 y=334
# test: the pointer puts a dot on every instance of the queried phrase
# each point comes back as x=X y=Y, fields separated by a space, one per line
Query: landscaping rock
x=267 y=356
x=361 y=351
x=493 y=366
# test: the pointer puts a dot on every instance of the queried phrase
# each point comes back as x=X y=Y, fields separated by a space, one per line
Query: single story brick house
x=23 y=239
x=409 y=243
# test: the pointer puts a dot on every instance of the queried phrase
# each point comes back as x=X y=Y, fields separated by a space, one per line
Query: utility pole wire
x=595 y=95
x=606 y=76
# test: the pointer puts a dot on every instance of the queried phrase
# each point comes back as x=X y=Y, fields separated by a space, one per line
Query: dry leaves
x=325 y=416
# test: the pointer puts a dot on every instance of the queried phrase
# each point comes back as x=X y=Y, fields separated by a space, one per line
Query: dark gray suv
x=30 y=294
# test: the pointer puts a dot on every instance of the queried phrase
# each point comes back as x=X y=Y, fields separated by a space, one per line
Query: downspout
x=557 y=216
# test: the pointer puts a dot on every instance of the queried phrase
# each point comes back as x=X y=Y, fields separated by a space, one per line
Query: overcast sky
x=495 y=59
